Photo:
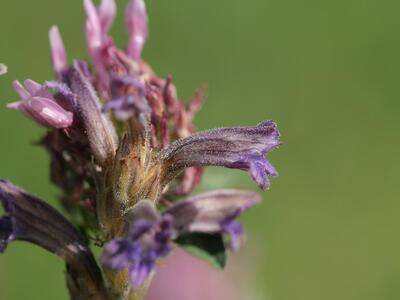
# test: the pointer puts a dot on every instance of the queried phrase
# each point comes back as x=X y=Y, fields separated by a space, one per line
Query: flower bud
x=37 y=104
x=58 y=54
x=136 y=23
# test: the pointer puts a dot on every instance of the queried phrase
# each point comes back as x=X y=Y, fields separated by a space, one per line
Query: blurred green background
x=326 y=71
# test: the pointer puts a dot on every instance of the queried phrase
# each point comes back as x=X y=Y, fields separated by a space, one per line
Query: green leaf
x=208 y=247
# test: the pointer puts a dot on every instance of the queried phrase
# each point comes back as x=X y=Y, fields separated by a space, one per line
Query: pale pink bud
x=58 y=54
x=136 y=22
x=106 y=12
x=44 y=111
x=93 y=27
x=38 y=105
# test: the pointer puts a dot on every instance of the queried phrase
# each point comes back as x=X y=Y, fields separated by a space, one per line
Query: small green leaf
x=208 y=247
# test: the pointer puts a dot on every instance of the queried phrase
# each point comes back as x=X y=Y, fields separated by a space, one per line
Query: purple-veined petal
x=99 y=129
x=207 y=211
x=35 y=221
x=241 y=148
x=30 y=219
x=106 y=12
x=58 y=54
x=3 y=69
x=214 y=212
x=136 y=22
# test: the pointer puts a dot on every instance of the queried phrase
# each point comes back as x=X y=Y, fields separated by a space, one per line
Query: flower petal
x=101 y=133
x=107 y=11
x=45 y=112
x=94 y=33
x=147 y=237
x=35 y=221
x=241 y=148
x=136 y=22
x=207 y=211
x=58 y=54
x=30 y=219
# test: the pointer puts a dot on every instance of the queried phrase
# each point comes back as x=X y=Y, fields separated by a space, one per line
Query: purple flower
x=127 y=98
x=241 y=148
x=149 y=235
x=145 y=240
x=58 y=54
x=39 y=105
x=136 y=22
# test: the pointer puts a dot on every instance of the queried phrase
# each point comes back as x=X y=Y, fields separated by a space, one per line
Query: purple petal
x=206 y=212
x=127 y=98
x=58 y=54
x=136 y=23
x=240 y=148
x=147 y=237
x=5 y=232
x=30 y=219
x=235 y=231
x=63 y=90
x=116 y=254
x=99 y=129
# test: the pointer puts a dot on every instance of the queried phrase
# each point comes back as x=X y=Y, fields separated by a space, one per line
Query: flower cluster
x=124 y=152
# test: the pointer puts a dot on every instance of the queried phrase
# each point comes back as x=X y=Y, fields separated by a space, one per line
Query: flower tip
x=14 y=105
x=58 y=54
x=93 y=26
x=136 y=22
x=107 y=11
x=3 y=69
x=21 y=91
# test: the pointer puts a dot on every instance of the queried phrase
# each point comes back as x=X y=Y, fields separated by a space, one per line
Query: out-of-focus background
x=326 y=71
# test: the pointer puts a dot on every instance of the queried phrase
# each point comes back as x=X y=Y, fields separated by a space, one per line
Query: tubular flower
x=123 y=150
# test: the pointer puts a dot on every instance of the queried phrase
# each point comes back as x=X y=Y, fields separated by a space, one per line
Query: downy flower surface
x=126 y=156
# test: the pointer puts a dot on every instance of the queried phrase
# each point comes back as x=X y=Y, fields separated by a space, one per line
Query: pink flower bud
x=106 y=12
x=58 y=54
x=93 y=27
x=136 y=23
x=38 y=105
